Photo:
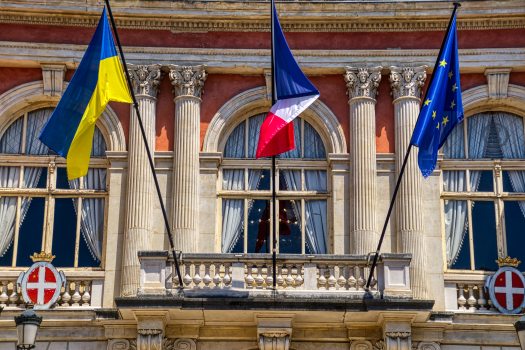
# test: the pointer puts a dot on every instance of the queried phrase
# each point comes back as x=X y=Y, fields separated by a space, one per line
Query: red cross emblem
x=507 y=290
x=41 y=285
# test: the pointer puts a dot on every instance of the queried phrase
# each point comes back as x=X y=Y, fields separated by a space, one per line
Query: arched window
x=39 y=207
x=484 y=191
x=302 y=193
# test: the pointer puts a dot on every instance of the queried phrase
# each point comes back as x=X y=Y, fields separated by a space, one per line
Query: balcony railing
x=83 y=290
x=223 y=272
x=466 y=293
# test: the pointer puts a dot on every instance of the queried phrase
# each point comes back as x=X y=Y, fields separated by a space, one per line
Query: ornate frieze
x=362 y=82
x=407 y=81
x=145 y=79
x=188 y=80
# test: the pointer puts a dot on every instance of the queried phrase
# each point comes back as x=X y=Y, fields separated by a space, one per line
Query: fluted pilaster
x=188 y=83
x=362 y=87
x=140 y=188
x=406 y=84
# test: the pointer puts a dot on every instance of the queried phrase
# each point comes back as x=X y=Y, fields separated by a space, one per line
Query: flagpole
x=402 y=171
x=275 y=209
x=136 y=106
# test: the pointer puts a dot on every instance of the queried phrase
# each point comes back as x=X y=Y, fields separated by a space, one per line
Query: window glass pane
x=478 y=129
x=254 y=126
x=259 y=226
x=35 y=177
x=98 y=149
x=12 y=139
x=36 y=120
x=259 y=179
x=316 y=224
x=481 y=181
x=456 y=235
x=8 y=209
x=233 y=179
x=232 y=225
x=9 y=176
x=31 y=229
x=95 y=179
x=290 y=180
x=296 y=152
x=313 y=145
x=513 y=181
x=315 y=180
x=454 y=147
x=62 y=181
x=289 y=227
x=510 y=134
x=235 y=146
x=507 y=184
x=454 y=181
x=514 y=224
x=92 y=231
x=64 y=232
x=485 y=240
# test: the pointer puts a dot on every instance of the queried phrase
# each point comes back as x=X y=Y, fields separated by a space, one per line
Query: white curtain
x=10 y=176
x=313 y=145
x=316 y=213
x=232 y=209
x=456 y=223
x=478 y=135
x=510 y=134
x=454 y=147
x=235 y=146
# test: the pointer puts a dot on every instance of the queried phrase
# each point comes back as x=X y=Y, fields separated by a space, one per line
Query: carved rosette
x=188 y=80
x=145 y=79
x=407 y=81
x=362 y=82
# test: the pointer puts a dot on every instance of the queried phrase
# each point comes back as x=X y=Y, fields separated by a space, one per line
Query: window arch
x=302 y=193
x=484 y=190
x=39 y=206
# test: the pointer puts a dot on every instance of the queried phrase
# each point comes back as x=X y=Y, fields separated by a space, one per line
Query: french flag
x=293 y=94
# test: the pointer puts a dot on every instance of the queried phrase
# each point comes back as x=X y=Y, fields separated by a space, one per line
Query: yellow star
x=442 y=63
x=427 y=102
x=445 y=121
x=437 y=127
x=452 y=104
x=450 y=75
x=454 y=87
x=433 y=114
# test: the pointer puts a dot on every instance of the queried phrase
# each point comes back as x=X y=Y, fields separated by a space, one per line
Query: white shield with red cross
x=41 y=285
x=507 y=290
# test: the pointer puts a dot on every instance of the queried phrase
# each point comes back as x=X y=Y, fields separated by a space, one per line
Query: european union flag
x=442 y=109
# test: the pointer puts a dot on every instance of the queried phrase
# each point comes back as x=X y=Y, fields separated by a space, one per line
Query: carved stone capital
x=149 y=339
x=362 y=82
x=407 y=81
x=274 y=341
x=145 y=79
x=498 y=82
x=179 y=344
x=188 y=80
x=120 y=344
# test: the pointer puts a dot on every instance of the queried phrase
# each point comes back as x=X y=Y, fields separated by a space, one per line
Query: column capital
x=145 y=79
x=407 y=81
x=188 y=80
x=362 y=82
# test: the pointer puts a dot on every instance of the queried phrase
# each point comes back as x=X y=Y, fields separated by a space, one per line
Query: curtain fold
x=456 y=223
x=232 y=209
x=316 y=213
x=235 y=145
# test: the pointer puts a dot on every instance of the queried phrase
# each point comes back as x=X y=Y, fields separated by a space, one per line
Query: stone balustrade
x=295 y=272
x=466 y=293
x=83 y=290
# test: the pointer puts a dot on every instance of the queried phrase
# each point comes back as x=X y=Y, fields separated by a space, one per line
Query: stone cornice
x=246 y=61
x=203 y=16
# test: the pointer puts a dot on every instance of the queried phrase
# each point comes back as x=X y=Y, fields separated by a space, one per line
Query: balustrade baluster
x=471 y=300
x=66 y=297
x=481 y=301
x=259 y=279
x=249 y=278
x=269 y=276
x=86 y=297
x=279 y=278
x=361 y=281
x=352 y=282
x=289 y=278
x=207 y=278
x=461 y=299
x=76 y=296
x=175 y=279
x=341 y=281
x=331 y=280
x=13 y=298
x=3 y=296
x=299 y=279
x=187 y=278
x=227 y=279
x=196 y=277
x=322 y=278
x=217 y=278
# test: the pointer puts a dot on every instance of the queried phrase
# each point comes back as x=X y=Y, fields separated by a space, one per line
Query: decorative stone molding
x=152 y=273
x=274 y=341
x=426 y=346
x=274 y=333
x=149 y=339
x=188 y=80
x=118 y=344
x=380 y=345
x=361 y=345
x=477 y=100
x=53 y=75
x=268 y=79
x=184 y=344
x=398 y=341
x=394 y=335
x=498 y=82
x=145 y=79
x=362 y=82
x=407 y=81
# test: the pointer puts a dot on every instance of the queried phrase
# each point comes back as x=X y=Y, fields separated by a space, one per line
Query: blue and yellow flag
x=98 y=80
x=442 y=109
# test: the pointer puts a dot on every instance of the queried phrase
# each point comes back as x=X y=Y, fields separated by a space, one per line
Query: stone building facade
x=200 y=71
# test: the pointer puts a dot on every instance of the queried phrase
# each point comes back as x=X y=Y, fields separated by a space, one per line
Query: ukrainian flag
x=98 y=80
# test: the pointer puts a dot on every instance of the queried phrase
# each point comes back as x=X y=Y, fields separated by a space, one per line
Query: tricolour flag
x=98 y=79
x=293 y=94
x=442 y=109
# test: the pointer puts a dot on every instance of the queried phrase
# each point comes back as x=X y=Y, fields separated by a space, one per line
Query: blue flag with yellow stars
x=442 y=109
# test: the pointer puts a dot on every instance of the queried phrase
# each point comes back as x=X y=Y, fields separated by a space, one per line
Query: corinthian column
x=188 y=83
x=362 y=84
x=139 y=202
x=406 y=84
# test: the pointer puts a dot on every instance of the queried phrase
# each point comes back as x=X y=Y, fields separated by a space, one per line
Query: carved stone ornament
x=145 y=79
x=402 y=335
x=498 y=82
x=426 y=346
x=183 y=344
x=407 y=82
x=149 y=339
x=361 y=345
x=119 y=344
x=380 y=345
x=274 y=341
x=188 y=81
x=362 y=82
